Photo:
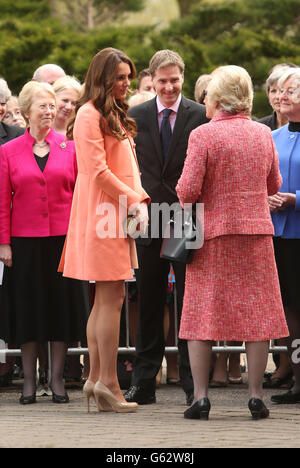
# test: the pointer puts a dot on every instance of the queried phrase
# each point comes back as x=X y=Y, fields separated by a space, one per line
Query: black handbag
x=181 y=229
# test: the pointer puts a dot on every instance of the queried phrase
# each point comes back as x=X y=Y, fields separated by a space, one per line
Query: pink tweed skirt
x=232 y=291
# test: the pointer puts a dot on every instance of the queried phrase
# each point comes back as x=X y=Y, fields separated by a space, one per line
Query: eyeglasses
x=289 y=92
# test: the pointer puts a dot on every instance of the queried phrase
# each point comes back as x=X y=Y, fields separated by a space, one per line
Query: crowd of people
x=71 y=152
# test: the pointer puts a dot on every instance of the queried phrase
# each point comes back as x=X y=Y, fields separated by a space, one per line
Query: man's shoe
x=288 y=398
x=139 y=395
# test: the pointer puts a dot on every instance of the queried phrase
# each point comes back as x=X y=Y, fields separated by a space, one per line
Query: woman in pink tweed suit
x=232 y=290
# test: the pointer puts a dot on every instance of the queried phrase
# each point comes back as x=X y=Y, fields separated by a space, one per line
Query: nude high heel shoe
x=104 y=397
x=88 y=389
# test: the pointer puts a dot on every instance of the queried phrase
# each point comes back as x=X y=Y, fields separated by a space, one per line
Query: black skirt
x=287 y=255
x=36 y=302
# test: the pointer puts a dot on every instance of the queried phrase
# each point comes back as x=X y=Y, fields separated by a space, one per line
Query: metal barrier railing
x=168 y=350
x=5 y=352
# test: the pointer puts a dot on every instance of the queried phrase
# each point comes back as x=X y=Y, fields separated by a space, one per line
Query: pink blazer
x=35 y=203
x=231 y=166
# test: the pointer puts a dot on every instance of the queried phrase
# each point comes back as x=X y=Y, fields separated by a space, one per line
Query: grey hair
x=276 y=74
x=288 y=74
x=5 y=92
x=53 y=66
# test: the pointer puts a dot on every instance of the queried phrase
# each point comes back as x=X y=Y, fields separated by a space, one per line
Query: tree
x=185 y=6
x=25 y=9
x=86 y=14
x=255 y=34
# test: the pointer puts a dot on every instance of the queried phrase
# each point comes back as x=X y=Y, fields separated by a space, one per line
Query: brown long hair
x=98 y=87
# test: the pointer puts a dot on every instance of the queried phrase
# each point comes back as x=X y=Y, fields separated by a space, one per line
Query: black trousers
x=152 y=281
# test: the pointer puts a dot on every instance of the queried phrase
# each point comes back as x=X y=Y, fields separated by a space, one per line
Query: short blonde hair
x=231 y=89
x=67 y=82
x=165 y=58
x=28 y=92
x=200 y=86
x=139 y=98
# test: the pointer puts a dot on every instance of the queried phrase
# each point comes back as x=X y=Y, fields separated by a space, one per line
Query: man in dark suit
x=164 y=125
x=9 y=132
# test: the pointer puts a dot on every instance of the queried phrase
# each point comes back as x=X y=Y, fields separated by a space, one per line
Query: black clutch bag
x=180 y=232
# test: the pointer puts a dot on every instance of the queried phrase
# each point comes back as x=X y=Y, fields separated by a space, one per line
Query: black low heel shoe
x=199 y=410
x=59 y=398
x=28 y=400
x=258 y=409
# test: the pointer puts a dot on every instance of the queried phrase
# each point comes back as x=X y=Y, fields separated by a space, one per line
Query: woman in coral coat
x=232 y=290
x=108 y=188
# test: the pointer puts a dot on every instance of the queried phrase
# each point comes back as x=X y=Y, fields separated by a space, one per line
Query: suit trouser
x=152 y=281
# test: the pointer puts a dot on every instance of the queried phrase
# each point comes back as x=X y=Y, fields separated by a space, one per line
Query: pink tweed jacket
x=231 y=167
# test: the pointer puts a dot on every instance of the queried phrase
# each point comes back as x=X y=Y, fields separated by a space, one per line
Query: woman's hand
x=140 y=211
x=280 y=201
x=287 y=199
x=275 y=203
x=6 y=254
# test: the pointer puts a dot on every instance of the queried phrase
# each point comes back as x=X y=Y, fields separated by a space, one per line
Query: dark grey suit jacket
x=159 y=177
x=270 y=121
x=9 y=132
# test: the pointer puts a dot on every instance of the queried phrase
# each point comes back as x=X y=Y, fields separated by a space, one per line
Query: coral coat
x=35 y=203
x=107 y=168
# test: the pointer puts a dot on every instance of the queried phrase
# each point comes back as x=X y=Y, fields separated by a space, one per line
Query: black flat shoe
x=288 y=398
x=28 y=400
x=199 y=410
x=258 y=409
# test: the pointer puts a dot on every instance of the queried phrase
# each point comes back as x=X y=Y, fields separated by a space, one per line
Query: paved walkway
x=154 y=426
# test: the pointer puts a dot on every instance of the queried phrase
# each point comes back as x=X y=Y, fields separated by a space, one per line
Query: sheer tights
x=29 y=358
x=200 y=356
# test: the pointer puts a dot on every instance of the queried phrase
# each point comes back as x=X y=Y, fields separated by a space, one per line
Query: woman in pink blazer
x=37 y=178
x=108 y=187
x=232 y=289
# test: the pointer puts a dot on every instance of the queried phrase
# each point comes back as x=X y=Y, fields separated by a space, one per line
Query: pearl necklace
x=41 y=145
